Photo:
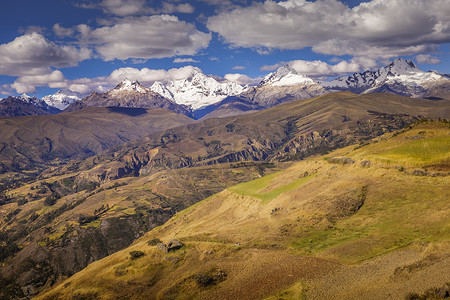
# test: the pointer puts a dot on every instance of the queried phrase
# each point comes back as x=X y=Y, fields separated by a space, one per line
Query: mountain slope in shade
x=62 y=99
x=129 y=94
x=196 y=91
x=28 y=142
x=283 y=85
x=401 y=77
x=25 y=106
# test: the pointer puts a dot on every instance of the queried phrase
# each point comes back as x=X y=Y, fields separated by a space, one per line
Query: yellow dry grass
x=351 y=231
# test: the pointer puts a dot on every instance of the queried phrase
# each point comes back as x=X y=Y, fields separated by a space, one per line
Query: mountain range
x=24 y=106
x=77 y=212
x=129 y=94
x=281 y=86
x=202 y=96
x=288 y=189
x=401 y=77
x=197 y=90
x=62 y=99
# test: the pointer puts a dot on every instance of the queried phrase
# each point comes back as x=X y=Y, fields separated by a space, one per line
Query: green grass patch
x=253 y=188
x=427 y=144
x=392 y=217
x=426 y=151
x=295 y=291
x=56 y=235
x=318 y=240
x=94 y=224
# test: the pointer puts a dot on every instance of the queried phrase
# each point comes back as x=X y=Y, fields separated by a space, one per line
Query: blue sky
x=89 y=46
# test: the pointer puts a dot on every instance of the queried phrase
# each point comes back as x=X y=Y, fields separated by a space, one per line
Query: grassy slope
x=139 y=203
x=301 y=127
x=328 y=230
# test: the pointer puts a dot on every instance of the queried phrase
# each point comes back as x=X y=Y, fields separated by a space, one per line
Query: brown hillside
x=30 y=141
x=288 y=131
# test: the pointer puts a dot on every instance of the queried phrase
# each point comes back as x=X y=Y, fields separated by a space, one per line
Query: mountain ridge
x=25 y=105
x=401 y=77
x=256 y=140
x=197 y=90
x=62 y=98
x=129 y=94
x=283 y=85
x=199 y=95
x=38 y=141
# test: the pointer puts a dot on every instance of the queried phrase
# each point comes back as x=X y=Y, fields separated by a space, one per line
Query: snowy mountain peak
x=405 y=72
x=128 y=85
x=402 y=66
x=195 y=72
x=285 y=70
x=24 y=97
x=62 y=99
x=28 y=99
x=401 y=77
x=197 y=90
x=398 y=67
x=160 y=88
x=285 y=75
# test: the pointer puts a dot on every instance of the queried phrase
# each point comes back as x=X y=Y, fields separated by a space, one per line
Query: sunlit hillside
x=366 y=221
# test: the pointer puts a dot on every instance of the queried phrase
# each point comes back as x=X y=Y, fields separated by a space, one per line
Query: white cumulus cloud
x=119 y=7
x=427 y=59
x=125 y=8
x=169 y=8
x=239 y=68
x=33 y=54
x=28 y=84
x=242 y=79
x=156 y=36
x=378 y=28
x=61 y=31
x=185 y=60
x=148 y=76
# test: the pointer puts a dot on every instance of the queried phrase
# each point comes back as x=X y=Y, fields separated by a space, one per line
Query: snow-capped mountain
x=39 y=103
x=25 y=105
x=285 y=76
x=400 y=77
x=30 y=99
x=197 y=91
x=283 y=85
x=130 y=86
x=129 y=94
x=62 y=99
